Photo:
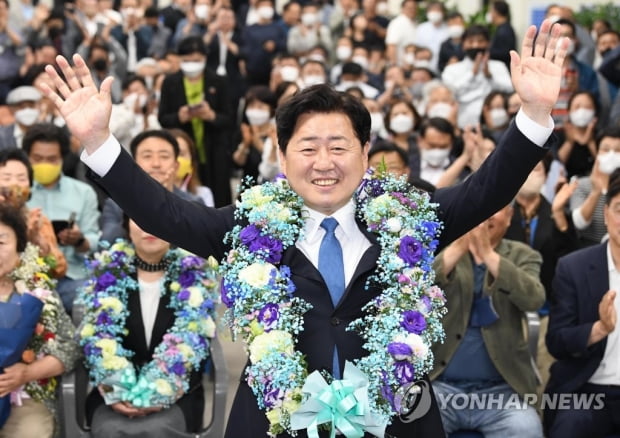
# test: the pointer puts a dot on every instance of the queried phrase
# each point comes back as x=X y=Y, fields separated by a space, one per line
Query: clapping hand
x=86 y=109
x=536 y=74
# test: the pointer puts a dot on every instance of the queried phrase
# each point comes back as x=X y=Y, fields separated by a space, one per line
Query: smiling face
x=324 y=160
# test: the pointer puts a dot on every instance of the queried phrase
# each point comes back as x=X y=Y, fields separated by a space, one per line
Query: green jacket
x=516 y=290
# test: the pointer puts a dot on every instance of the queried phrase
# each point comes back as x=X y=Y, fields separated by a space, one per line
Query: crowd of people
x=195 y=92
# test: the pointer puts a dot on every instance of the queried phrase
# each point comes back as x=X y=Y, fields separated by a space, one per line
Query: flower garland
x=31 y=277
x=398 y=327
x=192 y=283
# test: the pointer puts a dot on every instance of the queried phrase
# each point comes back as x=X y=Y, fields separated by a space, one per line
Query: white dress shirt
x=470 y=90
x=149 y=302
x=353 y=242
x=400 y=32
x=608 y=371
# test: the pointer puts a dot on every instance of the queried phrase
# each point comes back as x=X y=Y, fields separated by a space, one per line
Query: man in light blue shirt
x=70 y=204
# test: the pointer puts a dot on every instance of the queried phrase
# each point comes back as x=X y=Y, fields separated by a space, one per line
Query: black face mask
x=605 y=52
x=472 y=53
x=100 y=64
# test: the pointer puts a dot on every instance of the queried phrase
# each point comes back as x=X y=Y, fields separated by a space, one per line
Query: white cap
x=23 y=94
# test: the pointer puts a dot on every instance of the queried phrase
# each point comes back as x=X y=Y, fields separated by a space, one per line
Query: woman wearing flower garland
x=51 y=351
x=145 y=335
x=302 y=339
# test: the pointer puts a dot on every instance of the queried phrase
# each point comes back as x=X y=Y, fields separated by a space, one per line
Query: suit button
x=335 y=321
x=458 y=336
x=443 y=363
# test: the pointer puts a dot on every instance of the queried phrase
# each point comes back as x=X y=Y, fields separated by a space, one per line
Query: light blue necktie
x=331 y=267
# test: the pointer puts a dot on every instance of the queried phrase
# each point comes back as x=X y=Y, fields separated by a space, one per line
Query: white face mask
x=581 y=117
x=499 y=117
x=201 y=11
x=27 y=116
x=289 y=73
x=434 y=17
x=456 y=31
x=361 y=60
x=265 y=12
x=401 y=123
x=422 y=63
x=440 y=109
x=571 y=47
x=434 y=157
x=310 y=80
x=131 y=99
x=608 y=162
x=533 y=184
x=376 y=123
x=343 y=53
x=409 y=58
x=309 y=19
x=382 y=8
x=488 y=18
x=257 y=116
x=192 y=69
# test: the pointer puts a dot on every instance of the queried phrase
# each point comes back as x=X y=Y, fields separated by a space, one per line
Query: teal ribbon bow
x=343 y=404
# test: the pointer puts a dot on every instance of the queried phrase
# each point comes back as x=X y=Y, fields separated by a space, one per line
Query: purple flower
x=187 y=278
x=249 y=234
x=268 y=315
x=272 y=246
x=404 y=372
x=410 y=250
x=272 y=396
x=426 y=302
x=104 y=281
x=178 y=368
x=399 y=349
x=413 y=321
x=228 y=301
x=387 y=394
x=103 y=319
x=184 y=294
x=190 y=262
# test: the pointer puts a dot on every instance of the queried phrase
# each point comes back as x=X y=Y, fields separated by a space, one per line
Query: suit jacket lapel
x=135 y=324
x=598 y=280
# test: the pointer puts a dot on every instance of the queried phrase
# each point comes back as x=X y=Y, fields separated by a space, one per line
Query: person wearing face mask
x=106 y=58
x=377 y=124
x=15 y=186
x=588 y=201
x=131 y=34
x=433 y=32
x=310 y=32
x=473 y=78
x=576 y=75
x=70 y=204
x=435 y=145
x=343 y=53
x=263 y=41
x=377 y=22
x=353 y=76
x=312 y=73
x=547 y=228
x=256 y=154
x=451 y=50
x=196 y=22
x=394 y=86
x=196 y=100
x=578 y=149
x=23 y=103
x=504 y=39
x=401 y=122
x=494 y=116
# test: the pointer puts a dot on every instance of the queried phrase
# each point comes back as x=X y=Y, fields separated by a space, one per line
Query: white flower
x=257 y=274
x=209 y=327
x=417 y=345
x=273 y=341
x=163 y=387
x=393 y=225
x=284 y=214
x=195 y=296
x=254 y=197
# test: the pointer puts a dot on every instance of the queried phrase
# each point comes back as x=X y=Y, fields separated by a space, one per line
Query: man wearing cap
x=23 y=103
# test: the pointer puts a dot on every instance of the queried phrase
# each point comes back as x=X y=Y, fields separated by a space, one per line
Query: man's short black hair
x=385 y=146
x=14 y=154
x=476 y=30
x=131 y=79
x=14 y=219
x=191 y=44
x=151 y=12
x=49 y=133
x=502 y=8
x=440 y=124
x=352 y=68
x=610 y=131
x=323 y=99
x=157 y=133
x=613 y=188
x=569 y=23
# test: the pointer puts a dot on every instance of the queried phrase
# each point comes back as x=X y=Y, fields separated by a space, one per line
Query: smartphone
x=71 y=221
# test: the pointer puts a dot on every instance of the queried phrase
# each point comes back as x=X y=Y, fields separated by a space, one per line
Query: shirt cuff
x=534 y=132
x=102 y=160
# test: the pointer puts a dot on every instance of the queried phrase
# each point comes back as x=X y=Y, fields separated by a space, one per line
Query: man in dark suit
x=504 y=40
x=196 y=100
x=324 y=139
x=582 y=333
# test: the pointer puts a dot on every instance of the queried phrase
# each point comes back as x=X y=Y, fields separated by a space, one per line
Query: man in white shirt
x=473 y=78
x=323 y=138
x=432 y=33
x=401 y=31
x=583 y=334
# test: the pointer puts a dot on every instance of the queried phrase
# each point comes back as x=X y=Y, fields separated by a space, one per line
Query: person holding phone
x=62 y=198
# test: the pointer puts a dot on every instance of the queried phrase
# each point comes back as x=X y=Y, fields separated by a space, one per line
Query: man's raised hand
x=537 y=73
x=86 y=109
